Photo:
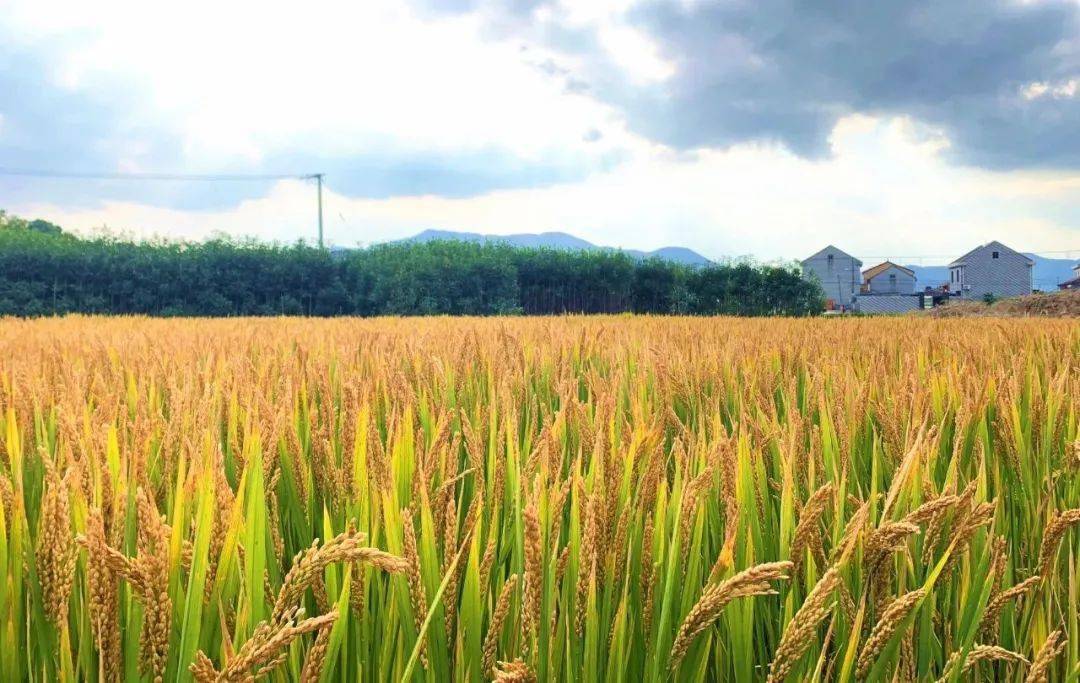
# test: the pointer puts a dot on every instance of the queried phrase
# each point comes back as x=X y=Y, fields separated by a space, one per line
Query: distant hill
x=1048 y=272
x=560 y=240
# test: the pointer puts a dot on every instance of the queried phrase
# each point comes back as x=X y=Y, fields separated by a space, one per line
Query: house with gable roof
x=992 y=269
x=837 y=272
x=888 y=278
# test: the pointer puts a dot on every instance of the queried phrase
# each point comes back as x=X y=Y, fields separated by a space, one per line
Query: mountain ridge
x=560 y=240
x=1046 y=273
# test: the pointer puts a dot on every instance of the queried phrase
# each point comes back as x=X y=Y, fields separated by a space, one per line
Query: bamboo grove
x=562 y=499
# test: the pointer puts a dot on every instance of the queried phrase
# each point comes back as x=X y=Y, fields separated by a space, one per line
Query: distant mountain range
x=1046 y=273
x=560 y=240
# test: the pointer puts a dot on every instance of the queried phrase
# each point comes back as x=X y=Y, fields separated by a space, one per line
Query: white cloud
x=241 y=81
x=885 y=193
x=1058 y=90
x=633 y=50
x=635 y=53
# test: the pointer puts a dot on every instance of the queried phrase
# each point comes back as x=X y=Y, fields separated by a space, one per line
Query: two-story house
x=888 y=278
x=837 y=272
x=991 y=270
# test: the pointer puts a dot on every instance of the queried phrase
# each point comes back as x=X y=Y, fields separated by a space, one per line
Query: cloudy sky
x=737 y=127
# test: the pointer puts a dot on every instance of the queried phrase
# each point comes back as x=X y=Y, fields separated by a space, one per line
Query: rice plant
x=563 y=499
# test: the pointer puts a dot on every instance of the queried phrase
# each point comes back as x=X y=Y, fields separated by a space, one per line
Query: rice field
x=552 y=499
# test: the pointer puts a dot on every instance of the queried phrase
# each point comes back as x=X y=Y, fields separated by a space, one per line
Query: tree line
x=46 y=271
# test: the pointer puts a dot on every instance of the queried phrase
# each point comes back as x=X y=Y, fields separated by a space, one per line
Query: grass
x=578 y=499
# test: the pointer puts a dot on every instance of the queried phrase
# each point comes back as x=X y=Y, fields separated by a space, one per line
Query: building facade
x=1074 y=281
x=838 y=273
x=888 y=278
x=887 y=304
x=992 y=269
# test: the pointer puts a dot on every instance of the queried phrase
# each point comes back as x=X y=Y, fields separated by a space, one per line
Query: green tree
x=45 y=271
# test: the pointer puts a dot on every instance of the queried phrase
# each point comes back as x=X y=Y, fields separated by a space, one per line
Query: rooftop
x=998 y=245
x=881 y=268
x=838 y=252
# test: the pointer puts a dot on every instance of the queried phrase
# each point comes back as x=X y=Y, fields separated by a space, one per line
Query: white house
x=888 y=278
x=992 y=269
x=838 y=273
x=1074 y=281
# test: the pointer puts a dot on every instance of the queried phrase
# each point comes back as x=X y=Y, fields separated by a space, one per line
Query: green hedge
x=44 y=271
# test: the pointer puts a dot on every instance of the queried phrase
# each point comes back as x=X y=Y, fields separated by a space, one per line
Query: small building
x=992 y=269
x=1074 y=282
x=838 y=273
x=888 y=278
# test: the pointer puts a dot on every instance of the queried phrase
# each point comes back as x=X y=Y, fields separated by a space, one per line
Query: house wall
x=880 y=283
x=840 y=280
x=887 y=304
x=1007 y=275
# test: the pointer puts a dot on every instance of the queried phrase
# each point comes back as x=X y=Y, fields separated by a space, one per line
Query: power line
x=205 y=177
x=318 y=178
x=197 y=177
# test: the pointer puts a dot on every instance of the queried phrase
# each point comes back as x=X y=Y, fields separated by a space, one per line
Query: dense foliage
x=606 y=498
x=44 y=271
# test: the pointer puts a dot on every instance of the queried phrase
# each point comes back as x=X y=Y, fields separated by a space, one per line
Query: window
x=830 y=261
x=994 y=255
x=892 y=281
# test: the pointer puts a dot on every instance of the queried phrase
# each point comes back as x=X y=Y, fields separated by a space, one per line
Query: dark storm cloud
x=787 y=70
x=784 y=71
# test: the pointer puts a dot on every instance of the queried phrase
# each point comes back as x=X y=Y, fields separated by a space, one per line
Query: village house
x=887 y=288
x=888 y=278
x=838 y=273
x=993 y=270
x=1074 y=281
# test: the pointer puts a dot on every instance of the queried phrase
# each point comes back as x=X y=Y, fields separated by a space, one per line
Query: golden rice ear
x=891 y=620
x=982 y=653
x=533 y=575
x=56 y=546
x=498 y=617
x=417 y=592
x=747 y=583
x=316 y=656
x=798 y=636
x=1053 y=647
x=1052 y=535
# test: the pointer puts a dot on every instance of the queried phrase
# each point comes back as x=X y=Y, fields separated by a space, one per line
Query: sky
x=909 y=129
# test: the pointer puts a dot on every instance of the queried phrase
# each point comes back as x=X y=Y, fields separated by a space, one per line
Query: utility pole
x=318 y=179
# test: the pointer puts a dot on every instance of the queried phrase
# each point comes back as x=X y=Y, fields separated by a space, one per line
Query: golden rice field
x=561 y=499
